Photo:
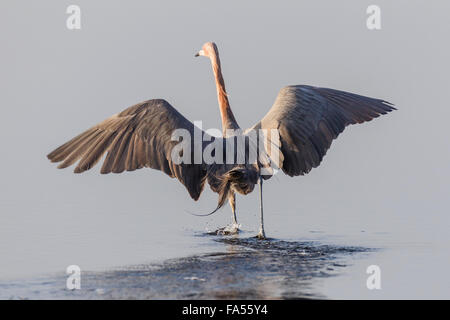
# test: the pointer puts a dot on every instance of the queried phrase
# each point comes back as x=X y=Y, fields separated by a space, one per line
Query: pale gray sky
x=390 y=175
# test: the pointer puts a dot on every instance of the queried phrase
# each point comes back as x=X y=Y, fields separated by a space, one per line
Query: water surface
x=243 y=268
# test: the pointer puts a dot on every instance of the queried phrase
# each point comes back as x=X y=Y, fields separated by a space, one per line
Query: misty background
x=382 y=184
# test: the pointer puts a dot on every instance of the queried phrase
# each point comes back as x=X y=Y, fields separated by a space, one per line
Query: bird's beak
x=200 y=53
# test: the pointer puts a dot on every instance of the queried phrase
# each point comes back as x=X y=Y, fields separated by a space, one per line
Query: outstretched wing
x=309 y=118
x=139 y=136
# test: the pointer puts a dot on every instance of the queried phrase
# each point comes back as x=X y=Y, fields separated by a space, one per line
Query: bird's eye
x=243 y=185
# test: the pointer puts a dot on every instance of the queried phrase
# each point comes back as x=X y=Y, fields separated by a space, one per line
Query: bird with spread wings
x=307 y=120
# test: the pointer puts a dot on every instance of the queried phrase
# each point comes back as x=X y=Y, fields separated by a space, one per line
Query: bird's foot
x=228 y=230
x=261 y=235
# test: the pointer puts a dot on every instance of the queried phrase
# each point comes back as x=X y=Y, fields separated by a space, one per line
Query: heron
x=307 y=119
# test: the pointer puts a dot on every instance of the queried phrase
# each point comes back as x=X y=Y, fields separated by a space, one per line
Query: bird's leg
x=234 y=227
x=232 y=201
x=261 y=234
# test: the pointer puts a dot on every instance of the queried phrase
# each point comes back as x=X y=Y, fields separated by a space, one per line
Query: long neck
x=228 y=119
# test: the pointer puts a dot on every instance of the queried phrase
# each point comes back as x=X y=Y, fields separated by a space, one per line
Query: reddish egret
x=307 y=119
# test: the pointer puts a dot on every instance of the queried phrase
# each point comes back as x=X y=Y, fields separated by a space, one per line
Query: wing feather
x=137 y=137
x=310 y=118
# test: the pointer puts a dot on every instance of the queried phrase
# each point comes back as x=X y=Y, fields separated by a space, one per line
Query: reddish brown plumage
x=228 y=120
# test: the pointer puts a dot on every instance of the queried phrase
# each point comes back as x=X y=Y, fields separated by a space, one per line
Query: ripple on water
x=247 y=268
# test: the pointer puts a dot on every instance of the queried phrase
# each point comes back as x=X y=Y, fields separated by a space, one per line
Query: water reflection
x=247 y=268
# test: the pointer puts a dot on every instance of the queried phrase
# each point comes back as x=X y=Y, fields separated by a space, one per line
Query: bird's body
x=305 y=118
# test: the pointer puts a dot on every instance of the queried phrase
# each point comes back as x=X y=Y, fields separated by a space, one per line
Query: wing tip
x=390 y=105
x=52 y=156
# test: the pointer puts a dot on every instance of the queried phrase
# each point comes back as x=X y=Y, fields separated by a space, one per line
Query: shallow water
x=245 y=268
x=122 y=256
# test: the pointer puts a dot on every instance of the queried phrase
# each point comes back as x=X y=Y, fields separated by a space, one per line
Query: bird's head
x=209 y=49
